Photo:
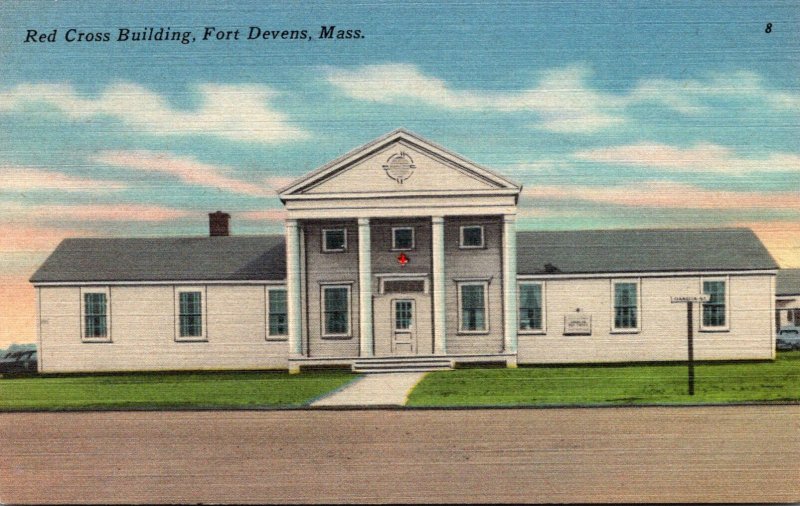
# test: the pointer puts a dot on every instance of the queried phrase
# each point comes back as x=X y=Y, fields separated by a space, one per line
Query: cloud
x=26 y=179
x=782 y=239
x=563 y=98
x=701 y=157
x=265 y=215
x=687 y=95
x=235 y=112
x=23 y=215
x=186 y=169
x=667 y=195
x=30 y=238
x=279 y=182
x=18 y=318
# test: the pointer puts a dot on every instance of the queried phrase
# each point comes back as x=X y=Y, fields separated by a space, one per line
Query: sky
x=610 y=114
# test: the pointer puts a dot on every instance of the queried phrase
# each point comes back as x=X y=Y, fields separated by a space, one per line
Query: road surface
x=729 y=454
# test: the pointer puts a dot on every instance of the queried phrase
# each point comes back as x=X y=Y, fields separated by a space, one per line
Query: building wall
x=324 y=268
x=662 y=331
x=485 y=263
x=143 y=331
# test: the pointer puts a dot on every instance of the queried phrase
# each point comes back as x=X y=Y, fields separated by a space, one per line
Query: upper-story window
x=471 y=236
x=334 y=239
x=402 y=238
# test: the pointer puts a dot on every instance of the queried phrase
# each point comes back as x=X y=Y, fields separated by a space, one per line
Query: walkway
x=385 y=389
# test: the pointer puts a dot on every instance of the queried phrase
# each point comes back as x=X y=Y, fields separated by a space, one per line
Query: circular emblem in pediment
x=399 y=167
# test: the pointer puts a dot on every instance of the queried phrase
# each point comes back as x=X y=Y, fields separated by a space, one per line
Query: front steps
x=401 y=364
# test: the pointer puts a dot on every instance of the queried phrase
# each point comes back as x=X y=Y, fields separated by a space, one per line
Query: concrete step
x=388 y=370
x=402 y=364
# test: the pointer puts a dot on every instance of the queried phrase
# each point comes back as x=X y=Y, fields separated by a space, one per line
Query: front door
x=404 y=336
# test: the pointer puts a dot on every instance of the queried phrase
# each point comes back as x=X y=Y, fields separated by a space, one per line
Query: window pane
x=336 y=311
x=278 y=321
x=334 y=239
x=714 y=309
x=403 y=238
x=530 y=307
x=402 y=314
x=95 y=310
x=625 y=306
x=190 y=318
x=473 y=309
x=472 y=236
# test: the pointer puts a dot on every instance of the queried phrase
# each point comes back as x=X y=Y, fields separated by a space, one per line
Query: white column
x=438 y=288
x=365 y=288
x=293 y=299
x=510 y=310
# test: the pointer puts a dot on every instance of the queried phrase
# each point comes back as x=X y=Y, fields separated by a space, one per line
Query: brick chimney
x=218 y=224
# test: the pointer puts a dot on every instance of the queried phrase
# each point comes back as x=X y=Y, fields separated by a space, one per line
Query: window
x=714 y=311
x=277 y=319
x=336 y=309
x=471 y=236
x=402 y=238
x=403 y=314
x=626 y=306
x=334 y=240
x=95 y=316
x=190 y=316
x=472 y=307
x=531 y=307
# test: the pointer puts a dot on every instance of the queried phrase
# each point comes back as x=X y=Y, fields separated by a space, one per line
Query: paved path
x=725 y=454
x=384 y=389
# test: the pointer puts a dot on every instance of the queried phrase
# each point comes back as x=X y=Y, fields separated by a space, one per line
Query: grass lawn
x=613 y=384
x=168 y=390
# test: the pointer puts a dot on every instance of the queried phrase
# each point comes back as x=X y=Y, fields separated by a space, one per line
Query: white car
x=788 y=339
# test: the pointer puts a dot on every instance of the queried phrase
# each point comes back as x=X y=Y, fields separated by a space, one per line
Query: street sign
x=690 y=298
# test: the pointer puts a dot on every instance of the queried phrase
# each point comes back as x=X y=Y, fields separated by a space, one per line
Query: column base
x=511 y=363
x=294 y=368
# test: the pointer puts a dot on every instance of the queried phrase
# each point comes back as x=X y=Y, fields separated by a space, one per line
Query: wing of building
x=402 y=254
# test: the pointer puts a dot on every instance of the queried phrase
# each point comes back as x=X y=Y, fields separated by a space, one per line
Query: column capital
x=290 y=222
x=437 y=219
x=363 y=222
x=509 y=218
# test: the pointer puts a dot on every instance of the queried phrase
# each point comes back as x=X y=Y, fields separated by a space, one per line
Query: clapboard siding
x=142 y=325
x=662 y=325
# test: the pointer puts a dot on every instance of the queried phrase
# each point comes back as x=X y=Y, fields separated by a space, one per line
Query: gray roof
x=238 y=258
x=788 y=282
x=642 y=250
x=231 y=258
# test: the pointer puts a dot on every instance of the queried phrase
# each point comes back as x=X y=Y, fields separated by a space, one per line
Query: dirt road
x=730 y=454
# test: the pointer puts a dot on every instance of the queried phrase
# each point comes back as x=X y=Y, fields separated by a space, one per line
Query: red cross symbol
x=402 y=259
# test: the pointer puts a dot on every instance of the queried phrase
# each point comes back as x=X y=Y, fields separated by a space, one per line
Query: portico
x=385 y=243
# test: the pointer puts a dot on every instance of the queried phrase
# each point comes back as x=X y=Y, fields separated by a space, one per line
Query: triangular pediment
x=399 y=163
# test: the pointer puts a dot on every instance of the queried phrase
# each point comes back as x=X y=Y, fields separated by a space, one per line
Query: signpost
x=689 y=299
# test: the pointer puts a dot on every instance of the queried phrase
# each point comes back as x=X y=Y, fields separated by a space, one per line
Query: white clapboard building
x=402 y=254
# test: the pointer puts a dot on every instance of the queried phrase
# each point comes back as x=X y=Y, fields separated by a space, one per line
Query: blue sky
x=612 y=114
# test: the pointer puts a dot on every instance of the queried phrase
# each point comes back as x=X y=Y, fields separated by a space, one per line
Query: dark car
x=18 y=361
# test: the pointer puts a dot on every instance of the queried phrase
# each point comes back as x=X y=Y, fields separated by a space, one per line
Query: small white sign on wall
x=577 y=324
